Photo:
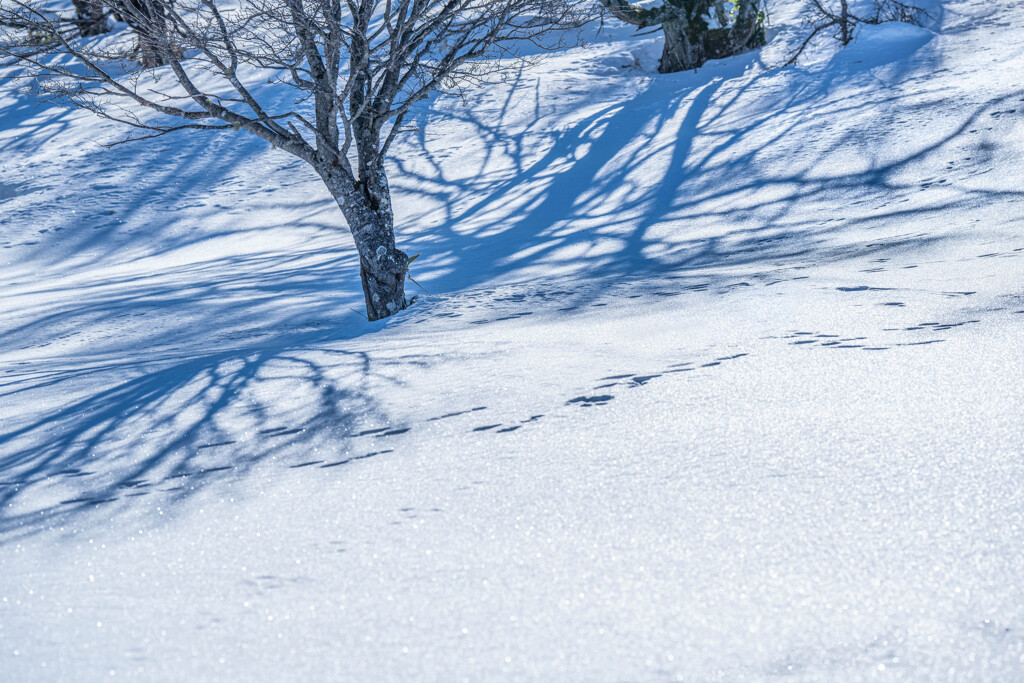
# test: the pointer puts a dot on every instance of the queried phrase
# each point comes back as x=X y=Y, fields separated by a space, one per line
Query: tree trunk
x=844 y=23
x=383 y=281
x=383 y=267
x=689 y=44
x=681 y=51
x=149 y=58
x=142 y=16
x=747 y=33
x=90 y=18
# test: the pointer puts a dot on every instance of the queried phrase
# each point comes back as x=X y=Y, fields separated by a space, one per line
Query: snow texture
x=718 y=379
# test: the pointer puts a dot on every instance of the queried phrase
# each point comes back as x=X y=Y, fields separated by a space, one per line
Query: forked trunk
x=688 y=44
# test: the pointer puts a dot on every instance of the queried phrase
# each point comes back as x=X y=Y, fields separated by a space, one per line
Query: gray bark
x=682 y=51
x=90 y=18
x=383 y=267
x=689 y=42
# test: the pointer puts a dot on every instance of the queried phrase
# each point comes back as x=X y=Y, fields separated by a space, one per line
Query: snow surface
x=719 y=379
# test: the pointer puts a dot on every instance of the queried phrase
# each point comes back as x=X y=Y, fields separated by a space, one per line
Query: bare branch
x=329 y=81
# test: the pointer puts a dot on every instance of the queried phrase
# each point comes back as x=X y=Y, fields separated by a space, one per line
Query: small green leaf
x=413 y=258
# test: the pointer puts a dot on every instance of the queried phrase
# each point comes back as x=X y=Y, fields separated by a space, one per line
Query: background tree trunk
x=689 y=40
x=143 y=16
x=747 y=32
x=90 y=18
x=846 y=31
x=682 y=52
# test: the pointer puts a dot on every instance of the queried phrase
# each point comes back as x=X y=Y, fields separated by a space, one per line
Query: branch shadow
x=165 y=424
x=157 y=337
x=697 y=174
x=125 y=377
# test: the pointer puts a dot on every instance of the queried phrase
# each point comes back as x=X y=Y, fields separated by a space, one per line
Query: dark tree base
x=690 y=47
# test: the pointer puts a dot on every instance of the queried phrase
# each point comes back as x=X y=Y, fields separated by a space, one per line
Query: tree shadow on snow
x=134 y=426
x=158 y=336
x=204 y=369
x=696 y=173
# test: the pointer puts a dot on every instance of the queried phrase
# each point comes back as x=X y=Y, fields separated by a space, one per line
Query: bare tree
x=355 y=66
x=822 y=16
x=696 y=30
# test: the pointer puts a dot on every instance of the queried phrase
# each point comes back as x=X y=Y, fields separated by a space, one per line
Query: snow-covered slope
x=718 y=379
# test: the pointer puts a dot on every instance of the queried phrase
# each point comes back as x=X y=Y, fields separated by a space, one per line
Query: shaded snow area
x=719 y=378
